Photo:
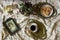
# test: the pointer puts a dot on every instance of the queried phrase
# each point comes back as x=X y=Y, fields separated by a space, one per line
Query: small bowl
x=46 y=10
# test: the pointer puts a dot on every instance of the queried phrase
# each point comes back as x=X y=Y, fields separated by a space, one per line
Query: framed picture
x=11 y=26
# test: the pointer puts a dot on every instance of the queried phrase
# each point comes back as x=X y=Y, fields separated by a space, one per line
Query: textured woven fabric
x=52 y=25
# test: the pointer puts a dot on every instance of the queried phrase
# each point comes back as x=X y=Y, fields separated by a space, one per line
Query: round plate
x=41 y=30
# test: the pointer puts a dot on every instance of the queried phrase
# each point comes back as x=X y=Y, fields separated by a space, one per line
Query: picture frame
x=11 y=25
